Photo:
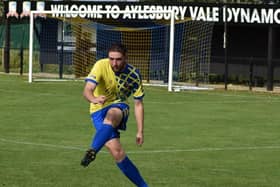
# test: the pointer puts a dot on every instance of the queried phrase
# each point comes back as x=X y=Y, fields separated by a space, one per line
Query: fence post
x=251 y=72
x=269 y=59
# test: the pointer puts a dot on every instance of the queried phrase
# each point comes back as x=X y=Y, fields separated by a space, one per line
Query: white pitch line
x=210 y=149
x=210 y=102
x=41 y=144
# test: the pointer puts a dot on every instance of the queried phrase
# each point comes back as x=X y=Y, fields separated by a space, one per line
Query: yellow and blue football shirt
x=116 y=87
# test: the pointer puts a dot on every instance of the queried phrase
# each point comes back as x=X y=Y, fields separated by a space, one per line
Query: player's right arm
x=92 y=81
x=88 y=94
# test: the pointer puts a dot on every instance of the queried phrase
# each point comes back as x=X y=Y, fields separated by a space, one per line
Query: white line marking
x=210 y=149
x=212 y=102
x=41 y=144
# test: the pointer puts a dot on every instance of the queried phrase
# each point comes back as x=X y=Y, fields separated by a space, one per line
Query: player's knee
x=118 y=155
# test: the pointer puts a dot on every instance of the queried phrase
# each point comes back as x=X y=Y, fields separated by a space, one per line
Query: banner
x=244 y=14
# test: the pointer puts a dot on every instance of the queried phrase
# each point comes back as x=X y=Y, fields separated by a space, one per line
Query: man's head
x=117 y=57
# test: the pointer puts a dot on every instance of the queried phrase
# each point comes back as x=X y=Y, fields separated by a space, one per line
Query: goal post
x=63 y=14
x=169 y=51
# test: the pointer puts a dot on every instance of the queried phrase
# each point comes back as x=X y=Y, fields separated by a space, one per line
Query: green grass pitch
x=192 y=138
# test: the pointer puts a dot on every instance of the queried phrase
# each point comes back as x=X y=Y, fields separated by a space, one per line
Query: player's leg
x=124 y=163
x=105 y=130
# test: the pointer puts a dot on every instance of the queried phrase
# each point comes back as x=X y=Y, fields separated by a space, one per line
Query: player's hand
x=99 y=100
x=139 y=139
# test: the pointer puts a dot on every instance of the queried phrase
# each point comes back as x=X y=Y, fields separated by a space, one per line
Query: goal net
x=166 y=51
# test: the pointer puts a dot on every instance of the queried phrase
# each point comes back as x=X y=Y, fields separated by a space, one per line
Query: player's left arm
x=139 y=116
x=138 y=94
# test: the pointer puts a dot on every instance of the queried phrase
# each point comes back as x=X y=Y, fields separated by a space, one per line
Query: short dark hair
x=117 y=47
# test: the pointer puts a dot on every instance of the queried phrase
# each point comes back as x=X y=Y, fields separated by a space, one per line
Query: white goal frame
x=171 y=44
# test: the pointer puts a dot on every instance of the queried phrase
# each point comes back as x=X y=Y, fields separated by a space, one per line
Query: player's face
x=117 y=61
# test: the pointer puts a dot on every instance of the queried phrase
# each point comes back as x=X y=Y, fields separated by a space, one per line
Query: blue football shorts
x=99 y=116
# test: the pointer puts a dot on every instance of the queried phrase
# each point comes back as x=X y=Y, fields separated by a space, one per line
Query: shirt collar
x=124 y=70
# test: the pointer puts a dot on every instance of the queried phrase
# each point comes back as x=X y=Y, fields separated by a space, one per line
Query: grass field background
x=192 y=138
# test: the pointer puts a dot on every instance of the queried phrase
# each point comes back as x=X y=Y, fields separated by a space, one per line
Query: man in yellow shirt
x=109 y=84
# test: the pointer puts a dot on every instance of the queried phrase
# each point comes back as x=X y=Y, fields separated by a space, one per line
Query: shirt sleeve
x=95 y=74
x=138 y=92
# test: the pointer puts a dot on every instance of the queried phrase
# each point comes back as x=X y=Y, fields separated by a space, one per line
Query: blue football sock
x=129 y=169
x=102 y=136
